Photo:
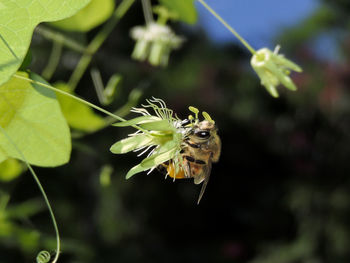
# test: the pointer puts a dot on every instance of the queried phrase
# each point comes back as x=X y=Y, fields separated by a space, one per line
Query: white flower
x=161 y=136
x=155 y=42
x=273 y=69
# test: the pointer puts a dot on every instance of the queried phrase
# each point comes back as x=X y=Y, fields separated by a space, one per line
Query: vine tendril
x=43 y=255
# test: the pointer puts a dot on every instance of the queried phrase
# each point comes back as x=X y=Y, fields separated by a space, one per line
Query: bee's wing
x=205 y=175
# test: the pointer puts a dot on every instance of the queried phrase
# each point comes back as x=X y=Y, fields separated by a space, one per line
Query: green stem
x=71 y=96
x=58 y=245
x=162 y=20
x=53 y=60
x=98 y=84
x=96 y=43
x=78 y=99
x=234 y=32
x=60 y=38
x=147 y=11
x=4 y=201
x=125 y=109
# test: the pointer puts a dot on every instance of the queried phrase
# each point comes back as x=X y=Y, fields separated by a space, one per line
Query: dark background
x=279 y=194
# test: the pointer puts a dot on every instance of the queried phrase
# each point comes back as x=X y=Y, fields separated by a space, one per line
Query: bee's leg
x=188 y=160
x=163 y=168
x=187 y=169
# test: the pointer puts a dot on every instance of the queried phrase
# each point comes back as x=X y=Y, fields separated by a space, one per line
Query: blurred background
x=280 y=192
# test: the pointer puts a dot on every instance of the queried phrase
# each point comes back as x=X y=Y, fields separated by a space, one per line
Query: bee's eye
x=202 y=134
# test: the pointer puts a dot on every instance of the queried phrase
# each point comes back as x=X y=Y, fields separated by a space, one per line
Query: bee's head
x=204 y=130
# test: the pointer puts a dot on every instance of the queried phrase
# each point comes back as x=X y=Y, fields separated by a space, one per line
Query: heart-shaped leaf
x=32 y=118
x=17 y=21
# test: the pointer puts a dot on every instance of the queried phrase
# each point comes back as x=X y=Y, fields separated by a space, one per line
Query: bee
x=200 y=148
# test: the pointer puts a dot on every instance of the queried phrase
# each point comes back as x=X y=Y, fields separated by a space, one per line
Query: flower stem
x=96 y=43
x=56 y=36
x=53 y=60
x=147 y=11
x=234 y=32
x=71 y=96
x=58 y=242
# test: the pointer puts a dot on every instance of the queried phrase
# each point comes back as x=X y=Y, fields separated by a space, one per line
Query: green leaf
x=91 y=16
x=131 y=143
x=25 y=209
x=79 y=116
x=184 y=8
x=137 y=120
x=31 y=116
x=10 y=169
x=17 y=22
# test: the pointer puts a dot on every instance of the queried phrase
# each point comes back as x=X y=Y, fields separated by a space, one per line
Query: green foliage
x=13 y=233
x=185 y=9
x=105 y=175
x=10 y=169
x=285 y=198
x=91 y=16
x=26 y=61
x=17 y=22
x=33 y=119
x=78 y=115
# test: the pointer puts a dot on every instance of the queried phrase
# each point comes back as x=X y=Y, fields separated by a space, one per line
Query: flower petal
x=136 y=169
x=287 y=63
x=131 y=143
x=288 y=83
x=141 y=50
x=159 y=125
x=167 y=152
x=137 y=120
x=271 y=89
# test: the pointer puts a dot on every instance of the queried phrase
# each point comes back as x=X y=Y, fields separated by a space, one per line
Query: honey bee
x=201 y=147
